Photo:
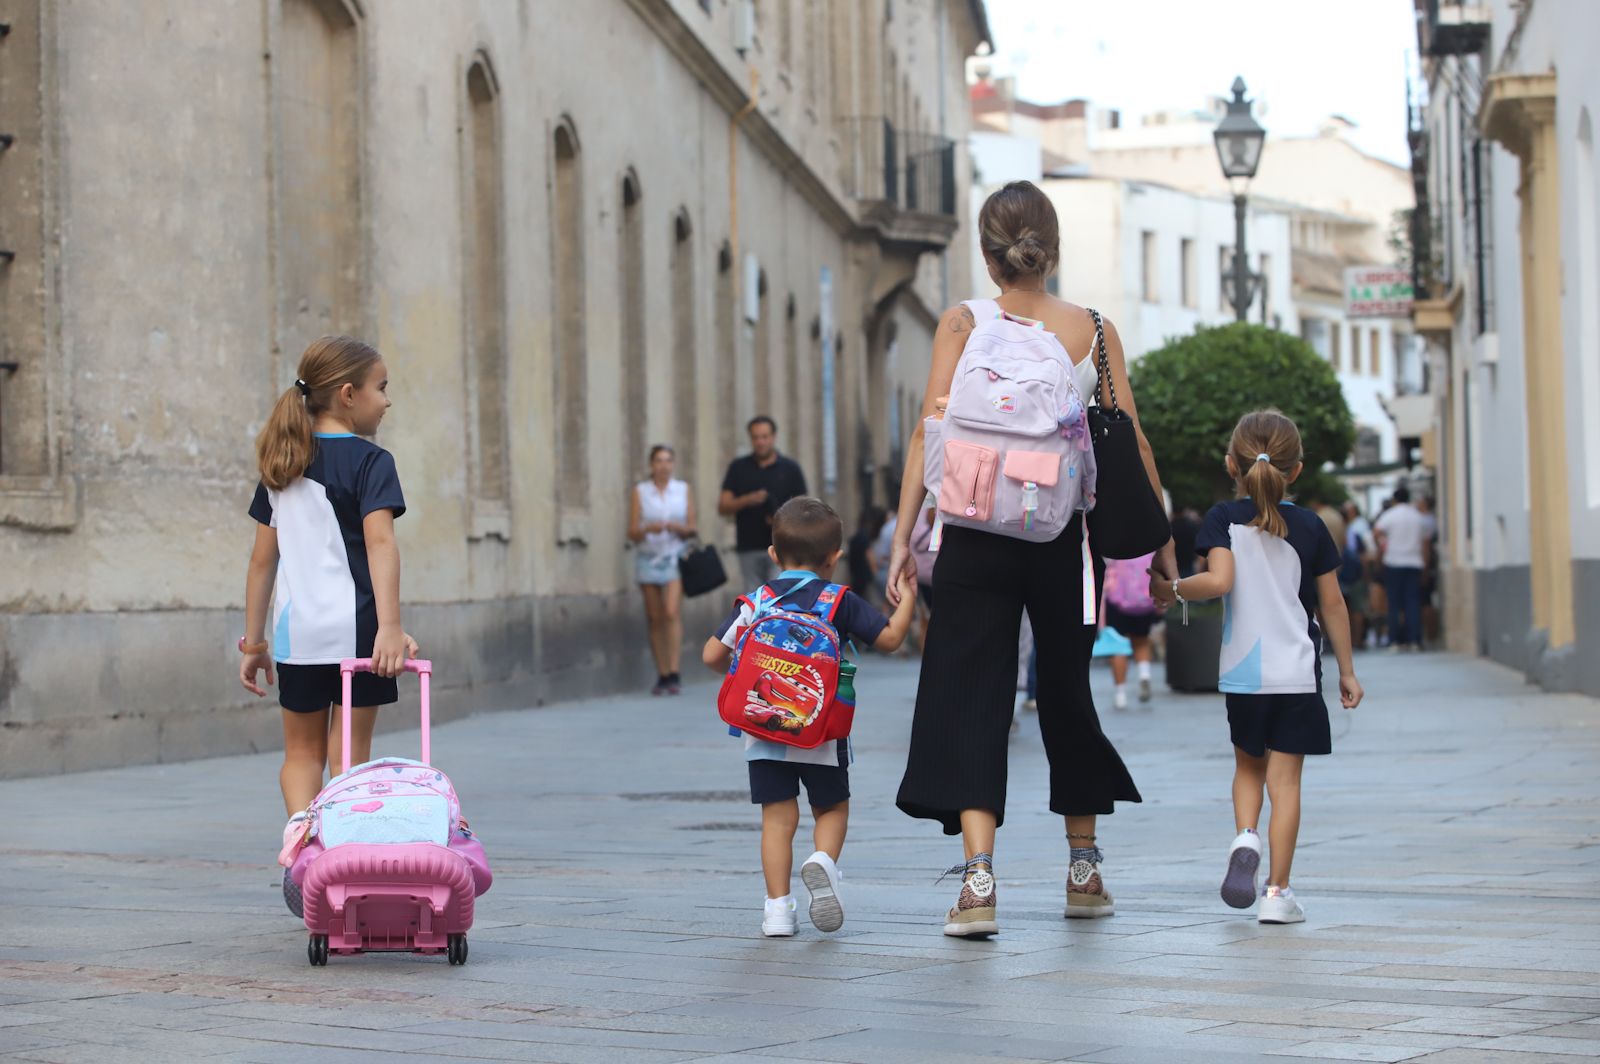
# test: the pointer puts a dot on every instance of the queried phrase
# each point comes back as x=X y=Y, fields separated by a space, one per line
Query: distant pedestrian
x=1277 y=567
x=755 y=487
x=807 y=539
x=660 y=521
x=1132 y=612
x=1405 y=536
x=860 y=558
x=1355 y=571
x=325 y=556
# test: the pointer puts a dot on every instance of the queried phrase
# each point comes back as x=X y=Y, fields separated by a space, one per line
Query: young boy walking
x=807 y=540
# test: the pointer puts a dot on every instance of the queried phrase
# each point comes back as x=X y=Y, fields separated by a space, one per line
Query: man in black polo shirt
x=756 y=485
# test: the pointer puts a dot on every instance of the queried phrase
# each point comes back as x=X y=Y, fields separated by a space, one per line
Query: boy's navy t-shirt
x=323 y=609
x=856 y=619
x=1270 y=638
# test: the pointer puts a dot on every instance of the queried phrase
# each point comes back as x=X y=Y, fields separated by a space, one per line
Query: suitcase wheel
x=317 y=950
x=457 y=949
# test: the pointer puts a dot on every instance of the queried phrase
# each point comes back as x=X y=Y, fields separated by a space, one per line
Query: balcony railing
x=913 y=172
x=1457 y=27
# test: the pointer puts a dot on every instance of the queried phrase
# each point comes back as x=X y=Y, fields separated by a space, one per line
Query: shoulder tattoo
x=963 y=321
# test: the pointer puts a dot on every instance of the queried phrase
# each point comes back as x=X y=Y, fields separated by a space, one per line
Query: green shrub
x=1194 y=390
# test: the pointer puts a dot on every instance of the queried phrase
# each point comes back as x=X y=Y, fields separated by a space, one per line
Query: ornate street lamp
x=1239 y=140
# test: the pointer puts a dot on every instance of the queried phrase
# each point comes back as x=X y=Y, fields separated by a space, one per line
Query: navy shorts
x=1289 y=724
x=313 y=688
x=779 y=781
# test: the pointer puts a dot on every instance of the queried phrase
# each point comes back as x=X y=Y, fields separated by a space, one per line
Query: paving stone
x=620 y=929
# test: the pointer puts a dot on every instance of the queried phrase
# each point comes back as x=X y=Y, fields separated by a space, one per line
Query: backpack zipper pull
x=1030 y=504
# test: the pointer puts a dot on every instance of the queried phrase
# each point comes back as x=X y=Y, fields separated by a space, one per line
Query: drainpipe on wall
x=944 y=259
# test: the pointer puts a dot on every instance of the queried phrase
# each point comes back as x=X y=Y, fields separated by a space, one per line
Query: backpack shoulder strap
x=982 y=309
x=838 y=599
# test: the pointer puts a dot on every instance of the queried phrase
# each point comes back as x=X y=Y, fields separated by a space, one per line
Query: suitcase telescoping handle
x=350 y=666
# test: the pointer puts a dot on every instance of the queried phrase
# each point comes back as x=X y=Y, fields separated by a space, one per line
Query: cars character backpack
x=783 y=683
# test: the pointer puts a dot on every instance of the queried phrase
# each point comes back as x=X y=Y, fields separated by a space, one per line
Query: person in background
x=863 y=564
x=1185 y=527
x=1353 y=570
x=755 y=486
x=660 y=520
x=1132 y=613
x=1404 y=533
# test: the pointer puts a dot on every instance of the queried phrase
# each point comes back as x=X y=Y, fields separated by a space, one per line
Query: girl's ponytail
x=1265 y=485
x=1265 y=450
x=284 y=447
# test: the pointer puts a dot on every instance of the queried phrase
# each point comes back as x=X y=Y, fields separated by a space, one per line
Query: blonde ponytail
x=1265 y=451
x=285 y=445
x=283 y=448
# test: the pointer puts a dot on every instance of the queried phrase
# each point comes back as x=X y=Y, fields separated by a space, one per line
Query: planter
x=1193 y=651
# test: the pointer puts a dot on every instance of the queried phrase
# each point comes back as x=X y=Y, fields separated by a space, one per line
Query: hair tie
x=1263 y=457
x=305 y=389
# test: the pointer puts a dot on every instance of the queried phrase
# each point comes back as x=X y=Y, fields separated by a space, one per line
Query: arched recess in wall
x=685 y=370
x=790 y=404
x=763 y=348
x=318 y=101
x=484 y=275
x=732 y=416
x=571 y=361
x=1588 y=289
x=631 y=292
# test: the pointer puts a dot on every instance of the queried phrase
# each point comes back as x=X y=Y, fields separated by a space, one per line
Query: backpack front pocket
x=967 y=489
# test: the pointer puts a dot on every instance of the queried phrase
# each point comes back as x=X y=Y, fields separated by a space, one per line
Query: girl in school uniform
x=1277 y=568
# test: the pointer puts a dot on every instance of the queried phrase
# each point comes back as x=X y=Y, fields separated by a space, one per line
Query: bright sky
x=1302 y=59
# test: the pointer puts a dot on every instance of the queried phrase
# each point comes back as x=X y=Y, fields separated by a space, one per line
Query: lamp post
x=1239 y=139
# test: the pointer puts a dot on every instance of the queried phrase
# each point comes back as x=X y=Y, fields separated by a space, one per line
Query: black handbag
x=1128 y=519
x=701 y=570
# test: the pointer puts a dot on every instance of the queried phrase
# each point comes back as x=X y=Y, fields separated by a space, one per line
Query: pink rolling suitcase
x=387 y=862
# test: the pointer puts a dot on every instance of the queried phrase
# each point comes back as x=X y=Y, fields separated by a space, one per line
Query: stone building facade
x=1508 y=274
x=572 y=229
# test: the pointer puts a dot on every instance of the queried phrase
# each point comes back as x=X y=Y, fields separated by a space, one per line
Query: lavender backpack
x=1012 y=454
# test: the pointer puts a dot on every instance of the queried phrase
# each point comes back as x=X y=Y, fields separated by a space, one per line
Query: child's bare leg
x=779 y=821
x=831 y=824
x=305 y=752
x=1249 y=776
x=362 y=721
x=1119 y=669
x=1283 y=787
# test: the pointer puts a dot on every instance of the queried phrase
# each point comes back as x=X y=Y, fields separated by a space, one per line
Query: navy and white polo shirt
x=323 y=610
x=1270 y=637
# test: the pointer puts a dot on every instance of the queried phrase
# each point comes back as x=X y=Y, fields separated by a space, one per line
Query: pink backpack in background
x=1012 y=454
x=1128 y=586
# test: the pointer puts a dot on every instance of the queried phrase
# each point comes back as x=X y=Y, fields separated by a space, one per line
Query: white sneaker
x=1244 y=861
x=1278 y=906
x=1119 y=697
x=778 y=921
x=821 y=877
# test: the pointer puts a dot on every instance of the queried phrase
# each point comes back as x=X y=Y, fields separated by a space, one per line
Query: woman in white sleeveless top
x=660 y=519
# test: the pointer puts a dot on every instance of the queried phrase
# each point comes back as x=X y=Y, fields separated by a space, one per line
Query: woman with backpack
x=1132 y=611
x=992 y=562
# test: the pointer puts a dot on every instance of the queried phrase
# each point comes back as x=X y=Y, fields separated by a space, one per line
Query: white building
x=1507 y=180
x=1153 y=259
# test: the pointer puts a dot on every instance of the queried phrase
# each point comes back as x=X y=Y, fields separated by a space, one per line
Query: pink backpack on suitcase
x=386 y=861
x=1012 y=454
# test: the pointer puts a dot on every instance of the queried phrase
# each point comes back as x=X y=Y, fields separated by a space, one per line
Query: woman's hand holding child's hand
x=1350 y=692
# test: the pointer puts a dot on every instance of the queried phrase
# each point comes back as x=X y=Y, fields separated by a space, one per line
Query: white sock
x=1122 y=690
x=1144 y=670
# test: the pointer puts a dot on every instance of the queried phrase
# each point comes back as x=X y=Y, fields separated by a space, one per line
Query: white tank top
x=671 y=504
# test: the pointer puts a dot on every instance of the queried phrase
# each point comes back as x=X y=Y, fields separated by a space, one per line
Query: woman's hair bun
x=1027 y=255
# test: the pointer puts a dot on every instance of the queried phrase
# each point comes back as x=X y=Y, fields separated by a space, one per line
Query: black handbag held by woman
x=1128 y=519
x=701 y=570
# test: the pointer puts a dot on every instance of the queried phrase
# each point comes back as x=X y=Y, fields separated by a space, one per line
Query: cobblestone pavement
x=1449 y=865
